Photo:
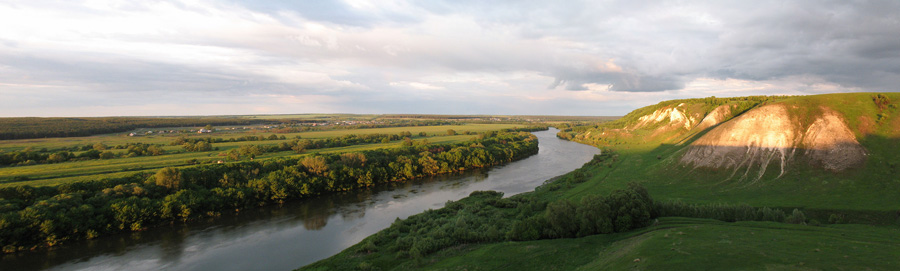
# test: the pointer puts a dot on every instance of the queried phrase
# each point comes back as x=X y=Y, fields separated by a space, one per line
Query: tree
x=169 y=178
x=451 y=132
x=796 y=217
x=58 y=157
x=423 y=134
x=203 y=146
x=107 y=155
x=354 y=159
x=250 y=150
x=100 y=147
x=133 y=212
x=406 y=142
x=155 y=150
x=562 y=218
x=594 y=215
x=315 y=164
x=234 y=155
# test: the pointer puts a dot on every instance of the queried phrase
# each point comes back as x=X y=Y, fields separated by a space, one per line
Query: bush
x=797 y=217
x=594 y=214
x=168 y=177
x=562 y=219
x=836 y=219
x=723 y=212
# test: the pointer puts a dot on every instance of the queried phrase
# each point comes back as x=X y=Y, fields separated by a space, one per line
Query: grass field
x=690 y=244
x=53 y=174
x=864 y=199
x=873 y=187
x=123 y=138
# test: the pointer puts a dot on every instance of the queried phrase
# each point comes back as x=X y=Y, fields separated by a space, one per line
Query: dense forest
x=45 y=216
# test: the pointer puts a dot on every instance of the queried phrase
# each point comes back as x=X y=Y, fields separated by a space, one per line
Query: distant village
x=148 y=132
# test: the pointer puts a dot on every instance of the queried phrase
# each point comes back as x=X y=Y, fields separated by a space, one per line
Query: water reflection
x=298 y=233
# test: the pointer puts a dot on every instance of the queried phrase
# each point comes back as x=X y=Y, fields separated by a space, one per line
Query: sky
x=588 y=58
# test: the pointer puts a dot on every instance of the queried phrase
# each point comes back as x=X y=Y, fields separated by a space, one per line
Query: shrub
x=169 y=178
x=562 y=219
x=836 y=219
x=797 y=217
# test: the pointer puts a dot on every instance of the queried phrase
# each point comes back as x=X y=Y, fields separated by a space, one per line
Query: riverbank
x=287 y=232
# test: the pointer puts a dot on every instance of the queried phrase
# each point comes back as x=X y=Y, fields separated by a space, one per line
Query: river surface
x=299 y=233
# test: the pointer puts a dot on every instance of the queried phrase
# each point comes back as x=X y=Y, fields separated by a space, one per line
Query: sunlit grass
x=53 y=174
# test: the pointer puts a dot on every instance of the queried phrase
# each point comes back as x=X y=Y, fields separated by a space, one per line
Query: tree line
x=485 y=216
x=29 y=156
x=488 y=217
x=32 y=127
x=45 y=216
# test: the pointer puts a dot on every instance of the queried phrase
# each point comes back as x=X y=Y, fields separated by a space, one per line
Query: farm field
x=123 y=138
x=57 y=173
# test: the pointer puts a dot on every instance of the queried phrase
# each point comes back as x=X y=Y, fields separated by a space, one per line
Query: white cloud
x=415 y=85
x=389 y=55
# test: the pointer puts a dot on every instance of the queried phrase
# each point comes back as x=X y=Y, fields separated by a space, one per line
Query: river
x=298 y=233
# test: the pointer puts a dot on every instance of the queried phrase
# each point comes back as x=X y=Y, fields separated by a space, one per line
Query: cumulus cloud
x=396 y=56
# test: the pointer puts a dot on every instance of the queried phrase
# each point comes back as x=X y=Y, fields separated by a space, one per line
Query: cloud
x=415 y=85
x=387 y=55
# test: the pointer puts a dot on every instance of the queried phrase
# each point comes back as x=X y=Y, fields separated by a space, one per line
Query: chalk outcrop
x=829 y=143
x=671 y=115
x=714 y=117
x=756 y=138
x=768 y=134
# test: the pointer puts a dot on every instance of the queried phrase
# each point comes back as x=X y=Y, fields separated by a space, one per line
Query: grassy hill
x=842 y=217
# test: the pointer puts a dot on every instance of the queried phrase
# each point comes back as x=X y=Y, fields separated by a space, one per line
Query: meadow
x=806 y=219
x=176 y=156
x=64 y=197
x=688 y=244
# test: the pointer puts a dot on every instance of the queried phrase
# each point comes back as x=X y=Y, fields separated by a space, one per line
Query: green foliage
x=562 y=219
x=29 y=156
x=46 y=216
x=27 y=160
x=677 y=244
x=754 y=238
x=485 y=216
x=720 y=211
x=21 y=128
x=594 y=215
x=796 y=217
x=168 y=177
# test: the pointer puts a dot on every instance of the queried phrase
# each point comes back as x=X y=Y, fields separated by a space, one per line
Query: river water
x=299 y=233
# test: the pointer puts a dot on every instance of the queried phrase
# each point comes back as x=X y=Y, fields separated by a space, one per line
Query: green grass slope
x=689 y=244
x=848 y=220
x=874 y=186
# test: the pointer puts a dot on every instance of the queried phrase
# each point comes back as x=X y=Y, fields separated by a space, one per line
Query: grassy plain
x=689 y=244
x=123 y=138
x=864 y=199
x=873 y=187
x=53 y=174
